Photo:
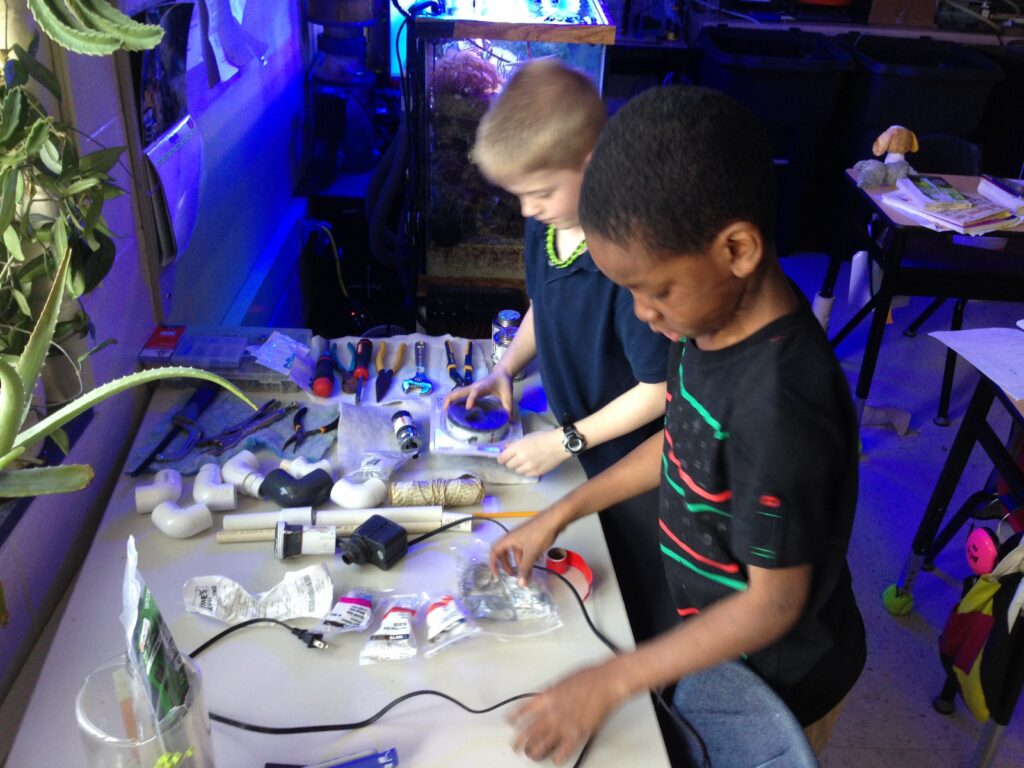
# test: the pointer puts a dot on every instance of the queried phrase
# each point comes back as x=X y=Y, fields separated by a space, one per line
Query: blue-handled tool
x=184 y=421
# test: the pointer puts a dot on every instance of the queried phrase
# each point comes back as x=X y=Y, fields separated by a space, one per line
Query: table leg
x=890 y=261
x=949 y=478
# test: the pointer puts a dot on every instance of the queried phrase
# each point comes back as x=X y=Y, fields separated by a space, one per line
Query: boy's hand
x=557 y=722
x=518 y=550
x=535 y=454
x=497 y=383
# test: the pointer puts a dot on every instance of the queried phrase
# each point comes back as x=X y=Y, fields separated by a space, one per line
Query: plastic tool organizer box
x=221 y=350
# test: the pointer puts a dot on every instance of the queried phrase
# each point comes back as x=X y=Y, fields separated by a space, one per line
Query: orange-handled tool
x=364 y=348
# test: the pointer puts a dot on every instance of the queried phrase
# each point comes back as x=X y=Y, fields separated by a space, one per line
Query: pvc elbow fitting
x=287 y=491
x=180 y=522
x=349 y=495
x=243 y=471
x=211 y=490
x=299 y=467
x=166 y=486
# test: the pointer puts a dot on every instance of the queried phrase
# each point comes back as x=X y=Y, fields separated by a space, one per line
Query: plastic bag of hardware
x=352 y=613
x=501 y=605
x=284 y=354
x=394 y=639
x=447 y=623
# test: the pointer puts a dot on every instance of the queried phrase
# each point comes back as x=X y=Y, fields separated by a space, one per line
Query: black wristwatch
x=572 y=440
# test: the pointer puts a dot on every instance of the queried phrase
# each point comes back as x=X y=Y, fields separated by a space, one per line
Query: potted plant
x=52 y=229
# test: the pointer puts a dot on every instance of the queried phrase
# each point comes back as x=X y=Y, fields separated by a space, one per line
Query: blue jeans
x=742 y=722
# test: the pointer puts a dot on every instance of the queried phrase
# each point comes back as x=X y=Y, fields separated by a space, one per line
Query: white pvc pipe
x=349 y=495
x=211 y=490
x=251 y=521
x=299 y=467
x=413 y=519
x=242 y=471
x=180 y=522
x=166 y=486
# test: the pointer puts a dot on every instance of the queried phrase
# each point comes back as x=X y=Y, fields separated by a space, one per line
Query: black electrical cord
x=314 y=640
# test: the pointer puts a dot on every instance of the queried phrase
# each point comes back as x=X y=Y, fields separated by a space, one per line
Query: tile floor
x=888 y=720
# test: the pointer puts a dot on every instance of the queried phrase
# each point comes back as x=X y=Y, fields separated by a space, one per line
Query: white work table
x=264 y=675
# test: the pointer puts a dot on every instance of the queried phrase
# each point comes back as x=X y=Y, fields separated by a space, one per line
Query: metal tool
x=348 y=382
x=269 y=413
x=467 y=364
x=300 y=433
x=323 y=378
x=419 y=382
x=364 y=348
x=182 y=421
x=465 y=378
x=385 y=374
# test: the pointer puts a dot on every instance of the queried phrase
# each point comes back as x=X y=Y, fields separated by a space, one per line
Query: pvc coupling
x=210 y=489
x=166 y=486
x=243 y=471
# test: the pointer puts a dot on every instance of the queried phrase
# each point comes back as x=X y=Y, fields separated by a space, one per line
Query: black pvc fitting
x=287 y=491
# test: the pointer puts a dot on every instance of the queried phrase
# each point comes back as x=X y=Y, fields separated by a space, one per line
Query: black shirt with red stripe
x=760 y=468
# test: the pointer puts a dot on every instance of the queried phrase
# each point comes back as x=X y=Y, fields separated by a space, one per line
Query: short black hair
x=674 y=167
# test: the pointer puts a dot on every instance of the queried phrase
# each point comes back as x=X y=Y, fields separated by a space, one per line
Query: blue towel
x=225 y=412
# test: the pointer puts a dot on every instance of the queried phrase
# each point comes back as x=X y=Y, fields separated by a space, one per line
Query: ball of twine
x=460 y=492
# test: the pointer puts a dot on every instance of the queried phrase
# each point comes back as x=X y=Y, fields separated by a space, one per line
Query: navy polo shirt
x=590 y=346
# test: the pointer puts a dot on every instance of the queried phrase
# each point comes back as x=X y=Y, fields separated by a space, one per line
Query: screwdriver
x=364 y=348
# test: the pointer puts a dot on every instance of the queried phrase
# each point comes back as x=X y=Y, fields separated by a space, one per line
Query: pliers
x=299 y=434
x=269 y=413
x=466 y=377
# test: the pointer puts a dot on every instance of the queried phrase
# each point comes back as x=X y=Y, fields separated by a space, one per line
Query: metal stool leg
x=912 y=329
x=942 y=418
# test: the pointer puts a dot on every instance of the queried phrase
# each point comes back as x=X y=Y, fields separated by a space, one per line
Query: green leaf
x=11 y=395
x=98 y=348
x=82 y=403
x=22 y=302
x=59 y=26
x=88 y=268
x=60 y=437
x=38 y=481
x=38 y=345
x=100 y=161
x=37 y=71
x=38 y=135
x=80 y=186
x=12 y=239
x=10 y=115
x=9 y=192
x=51 y=157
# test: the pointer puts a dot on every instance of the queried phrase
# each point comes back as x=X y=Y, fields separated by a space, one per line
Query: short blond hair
x=547 y=118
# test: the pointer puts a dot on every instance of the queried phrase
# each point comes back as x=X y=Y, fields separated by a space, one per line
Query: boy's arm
x=631 y=410
x=540 y=452
x=560 y=719
x=636 y=472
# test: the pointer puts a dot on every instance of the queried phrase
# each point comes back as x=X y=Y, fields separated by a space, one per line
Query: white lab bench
x=264 y=675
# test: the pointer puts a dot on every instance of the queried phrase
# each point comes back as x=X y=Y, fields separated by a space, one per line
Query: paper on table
x=997 y=352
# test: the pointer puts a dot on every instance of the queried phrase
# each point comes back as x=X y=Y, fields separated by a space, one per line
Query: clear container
x=118 y=729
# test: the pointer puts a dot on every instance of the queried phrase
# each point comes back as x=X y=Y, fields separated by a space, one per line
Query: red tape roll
x=571 y=565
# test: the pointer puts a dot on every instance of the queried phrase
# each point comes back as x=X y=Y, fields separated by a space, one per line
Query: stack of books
x=938 y=204
x=1008 y=192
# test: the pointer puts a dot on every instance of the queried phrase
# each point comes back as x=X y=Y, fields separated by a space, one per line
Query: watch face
x=573 y=442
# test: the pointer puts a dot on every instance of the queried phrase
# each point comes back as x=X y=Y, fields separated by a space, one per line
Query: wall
x=251 y=127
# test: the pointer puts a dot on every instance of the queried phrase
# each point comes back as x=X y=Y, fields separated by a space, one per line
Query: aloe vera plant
x=65 y=239
x=17 y=382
